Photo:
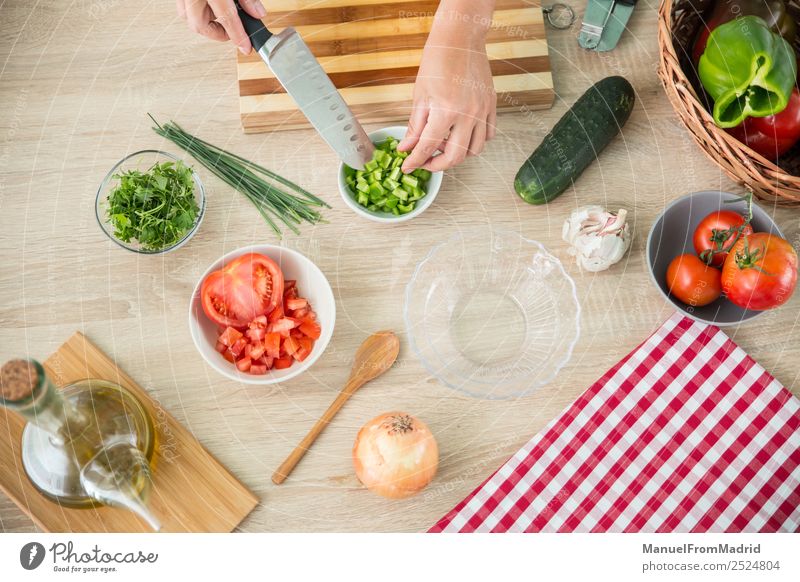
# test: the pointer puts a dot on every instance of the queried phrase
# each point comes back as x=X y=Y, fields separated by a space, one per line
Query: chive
x=272 y=203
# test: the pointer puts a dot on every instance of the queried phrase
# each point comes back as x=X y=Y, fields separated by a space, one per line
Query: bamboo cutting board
x=371 y=49
x=192 y=491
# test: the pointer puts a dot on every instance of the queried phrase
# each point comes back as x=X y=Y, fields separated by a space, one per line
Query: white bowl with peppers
x=381 y=192
x=262 y=314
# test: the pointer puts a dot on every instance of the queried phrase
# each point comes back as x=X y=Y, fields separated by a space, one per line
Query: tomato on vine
x=760 y=272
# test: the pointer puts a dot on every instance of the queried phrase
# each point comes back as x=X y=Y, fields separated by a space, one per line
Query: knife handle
x=255 y=29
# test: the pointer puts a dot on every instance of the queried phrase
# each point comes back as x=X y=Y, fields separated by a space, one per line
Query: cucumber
x=577 y=139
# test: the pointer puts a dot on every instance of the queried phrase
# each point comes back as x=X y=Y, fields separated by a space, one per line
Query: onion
x=395 y=455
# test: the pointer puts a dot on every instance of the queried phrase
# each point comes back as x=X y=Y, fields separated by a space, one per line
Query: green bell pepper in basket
x=773 y=12
x=748 y=70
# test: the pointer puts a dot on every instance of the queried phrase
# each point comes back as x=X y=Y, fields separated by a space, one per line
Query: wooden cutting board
x=192 y=491
x=372 y=49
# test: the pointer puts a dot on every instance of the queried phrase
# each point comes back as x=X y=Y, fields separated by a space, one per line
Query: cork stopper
x=18 y=378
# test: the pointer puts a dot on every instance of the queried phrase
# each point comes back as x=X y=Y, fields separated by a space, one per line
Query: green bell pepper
x=748 y=70
x=773 y=12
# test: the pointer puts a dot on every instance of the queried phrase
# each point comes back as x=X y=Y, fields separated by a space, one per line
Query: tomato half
x=250 y=286
x=692 y=281
x=760 y=272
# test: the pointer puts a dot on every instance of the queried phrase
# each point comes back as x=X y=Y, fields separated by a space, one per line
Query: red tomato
x=283 y=326
x=229 y=336
x=282 y=363
x=311 y=329
x=760 y=272
x=272 y=344
x=715 y=233
x=277 y=339
x=244 y=364
x=290 y=345
x=238 y=347
x=692 y=281
x=250 y=286
x=293 y=303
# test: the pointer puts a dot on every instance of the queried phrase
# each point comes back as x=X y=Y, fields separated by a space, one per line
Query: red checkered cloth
x=685 y=434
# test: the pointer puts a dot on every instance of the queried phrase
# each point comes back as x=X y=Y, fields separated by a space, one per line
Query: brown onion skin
x=395 y=463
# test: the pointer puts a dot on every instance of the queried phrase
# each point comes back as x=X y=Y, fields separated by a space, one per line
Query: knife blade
x=300 y=73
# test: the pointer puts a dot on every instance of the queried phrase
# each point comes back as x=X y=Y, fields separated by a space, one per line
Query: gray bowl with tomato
x=673 y=234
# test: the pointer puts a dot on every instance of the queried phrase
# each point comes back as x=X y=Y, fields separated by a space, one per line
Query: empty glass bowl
x=143 y=161
x=492 y=314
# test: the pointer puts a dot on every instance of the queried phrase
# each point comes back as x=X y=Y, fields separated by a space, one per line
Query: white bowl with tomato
x=718 y=264
x=262 y=314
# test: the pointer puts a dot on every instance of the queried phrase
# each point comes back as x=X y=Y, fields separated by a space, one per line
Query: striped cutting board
x=372 y=48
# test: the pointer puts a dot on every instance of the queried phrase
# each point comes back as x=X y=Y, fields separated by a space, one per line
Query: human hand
x=454 y=108
x=218 y=19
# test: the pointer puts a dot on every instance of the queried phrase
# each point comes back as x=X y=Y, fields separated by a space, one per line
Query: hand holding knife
x=294 y=65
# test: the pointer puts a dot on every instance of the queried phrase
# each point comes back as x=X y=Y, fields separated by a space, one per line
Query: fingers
x=200 y=18
x=491 y=124
x=457 y=147
x=416 y=123
x=436 y=130
x=478 y=139
x=227 y=17
x=254 y=8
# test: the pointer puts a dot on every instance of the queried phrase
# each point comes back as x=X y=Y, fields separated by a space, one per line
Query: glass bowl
x=492 y=314
x=143 y=161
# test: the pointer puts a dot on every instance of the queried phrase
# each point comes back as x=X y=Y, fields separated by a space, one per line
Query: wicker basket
x=678 y=22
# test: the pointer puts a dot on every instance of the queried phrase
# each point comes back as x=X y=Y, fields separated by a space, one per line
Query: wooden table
x=75 y=88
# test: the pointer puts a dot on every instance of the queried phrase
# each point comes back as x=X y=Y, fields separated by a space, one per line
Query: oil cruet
x=90 y=443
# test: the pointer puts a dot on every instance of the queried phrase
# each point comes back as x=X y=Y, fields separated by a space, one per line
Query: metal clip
x=559 y=16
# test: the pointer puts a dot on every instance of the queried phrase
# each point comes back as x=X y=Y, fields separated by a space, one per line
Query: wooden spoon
x=375 y=356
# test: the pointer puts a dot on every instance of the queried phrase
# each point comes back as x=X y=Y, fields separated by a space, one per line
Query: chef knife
x=294 y=65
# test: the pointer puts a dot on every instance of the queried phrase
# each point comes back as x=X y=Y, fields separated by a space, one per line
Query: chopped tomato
x=290 y=345
x=295 y=304
x=290 y=284
x=272 y=345
x=229 y=337
x=256 y=334
x=283 y=326
x=274 y=339
x=249 y=286
x=306 y=345
x=238 y=347
x=256 y=350
x=311 y=329
x=282 y=363
x=276 y=314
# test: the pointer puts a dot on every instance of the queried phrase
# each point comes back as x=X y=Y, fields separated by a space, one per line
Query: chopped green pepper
x=382 y=187
x=748 y=70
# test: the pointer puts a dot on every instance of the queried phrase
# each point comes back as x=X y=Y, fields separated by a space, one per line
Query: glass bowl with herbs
x=150 y=202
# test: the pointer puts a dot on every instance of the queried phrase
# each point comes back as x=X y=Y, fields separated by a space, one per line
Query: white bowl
x=311 y=284
x=397 y=132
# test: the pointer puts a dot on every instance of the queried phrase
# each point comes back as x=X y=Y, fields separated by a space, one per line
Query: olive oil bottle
x=87 y=444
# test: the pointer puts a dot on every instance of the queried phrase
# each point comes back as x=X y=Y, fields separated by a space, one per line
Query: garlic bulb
x=597 y=238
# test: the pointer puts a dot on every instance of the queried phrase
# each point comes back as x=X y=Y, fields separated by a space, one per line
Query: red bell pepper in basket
x=774 y=135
